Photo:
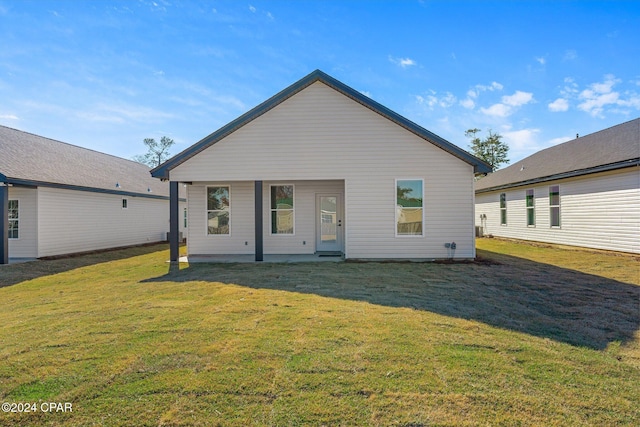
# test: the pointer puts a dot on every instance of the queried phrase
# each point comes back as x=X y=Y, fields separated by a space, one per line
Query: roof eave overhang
x=564 y=175
x=34 y=184
x=162 y=171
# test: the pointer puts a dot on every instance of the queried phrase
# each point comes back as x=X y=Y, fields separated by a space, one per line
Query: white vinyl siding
x=76 y=221
x=599 y=211
x=242 y=240
x=326 y=137
x=26 y=245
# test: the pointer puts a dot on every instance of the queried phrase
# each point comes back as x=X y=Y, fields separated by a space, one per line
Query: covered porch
x=263 y=220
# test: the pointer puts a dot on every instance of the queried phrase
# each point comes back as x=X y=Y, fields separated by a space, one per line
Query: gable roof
x=33 y=160
x=612 y=148
x=162 y=171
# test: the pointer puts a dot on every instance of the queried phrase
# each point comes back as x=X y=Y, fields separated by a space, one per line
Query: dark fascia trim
x=570 y=174
x=34 y=184
x=162 y=171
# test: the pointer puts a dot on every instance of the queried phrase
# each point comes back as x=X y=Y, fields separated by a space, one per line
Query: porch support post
x=4 y=224
x=174 y=244
x=258 y=220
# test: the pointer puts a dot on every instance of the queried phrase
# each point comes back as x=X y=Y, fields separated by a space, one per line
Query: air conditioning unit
x=479 y=231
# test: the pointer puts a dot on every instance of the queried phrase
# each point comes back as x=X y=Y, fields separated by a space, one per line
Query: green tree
x=492 y=149
x=157 y=152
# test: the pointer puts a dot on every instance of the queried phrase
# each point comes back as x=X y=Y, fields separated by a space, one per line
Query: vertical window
x=13 y=219
x=218 y=210
x=503 y=208
x=184 y=216
x=531 y=213
x=282 y=209
x=554 y=205
x=124 y=203
x=409 y=207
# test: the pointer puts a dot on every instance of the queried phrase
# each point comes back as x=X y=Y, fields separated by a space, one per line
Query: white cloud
x=270 y=16
x=468 y=103
x=9 y=117
x=122 y=113
x=473 y=94
x=493 y=86
x=521 y=140
x=517 y=99
x=600 y=95
x=403 y=62
x=559 y=104
x=570 y=55
x=366 y=93
x=252 y=8
x=444 y=101
x=509 y=104
x=541 y=60
x=497 y=110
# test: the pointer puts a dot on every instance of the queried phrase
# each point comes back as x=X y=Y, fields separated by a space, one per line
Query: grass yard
x=530 y=335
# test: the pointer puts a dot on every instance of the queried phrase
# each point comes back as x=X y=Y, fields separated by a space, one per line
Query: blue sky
x=107 y=74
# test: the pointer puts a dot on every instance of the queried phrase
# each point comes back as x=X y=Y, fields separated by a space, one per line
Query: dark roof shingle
x=617 y=146
x=32 y=158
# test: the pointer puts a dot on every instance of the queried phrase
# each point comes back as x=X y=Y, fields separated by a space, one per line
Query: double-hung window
x=531 y=212
x=282 y=209
x=554 y=205
x=503 y=208
x=409 y=207
x=218 y=204
x=13 y=219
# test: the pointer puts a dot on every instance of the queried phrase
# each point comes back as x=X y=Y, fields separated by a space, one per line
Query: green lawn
x=530 y=335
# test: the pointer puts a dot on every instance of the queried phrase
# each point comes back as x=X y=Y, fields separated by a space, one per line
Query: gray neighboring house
x=585 y=192
x=57 y=198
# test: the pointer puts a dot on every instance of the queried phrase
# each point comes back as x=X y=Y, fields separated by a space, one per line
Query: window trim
x=531 y=208
x=206 y=210
x=16 y=220
x=503 y=209
x=396 y=209
x=551 y=207
x=184 y=214
x=293 y=210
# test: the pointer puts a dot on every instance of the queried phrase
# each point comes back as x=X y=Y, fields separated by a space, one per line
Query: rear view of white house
x=322 y=168
x=57 y=198
x=585 y=192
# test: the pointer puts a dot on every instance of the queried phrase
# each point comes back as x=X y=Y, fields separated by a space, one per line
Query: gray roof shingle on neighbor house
x=30 y=159
x=612 y=148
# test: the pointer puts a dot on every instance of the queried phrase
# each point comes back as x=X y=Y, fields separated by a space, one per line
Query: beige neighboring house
x=321 y=168
x=57 y=198
x=585 y=192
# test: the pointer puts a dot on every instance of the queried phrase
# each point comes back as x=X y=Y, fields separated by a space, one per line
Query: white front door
x=329 y=228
